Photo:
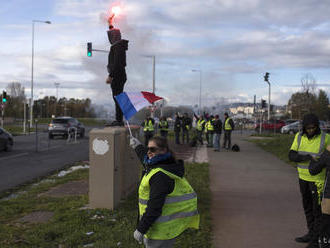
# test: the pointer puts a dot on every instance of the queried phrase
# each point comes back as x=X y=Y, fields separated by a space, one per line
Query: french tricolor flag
x=131 y=102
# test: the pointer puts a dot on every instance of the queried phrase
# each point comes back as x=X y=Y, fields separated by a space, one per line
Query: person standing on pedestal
x=116 y=67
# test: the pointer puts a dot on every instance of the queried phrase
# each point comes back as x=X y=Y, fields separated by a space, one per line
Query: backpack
x=235 y=148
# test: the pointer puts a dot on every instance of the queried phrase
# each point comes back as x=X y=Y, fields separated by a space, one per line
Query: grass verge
x=279 y=145
x=70 y=224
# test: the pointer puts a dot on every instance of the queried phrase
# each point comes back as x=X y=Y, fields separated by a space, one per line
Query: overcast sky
x=233 y=43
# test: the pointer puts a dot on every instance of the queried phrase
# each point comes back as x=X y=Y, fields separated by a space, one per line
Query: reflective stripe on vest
x=179 y=211
x=163 y=126
x=173 y=199
x=322 y=143
x=167 y=218
x=148 y=126
x=303 y=166
x=227 y=125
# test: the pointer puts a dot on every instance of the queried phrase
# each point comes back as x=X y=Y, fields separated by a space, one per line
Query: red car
x=270 y=125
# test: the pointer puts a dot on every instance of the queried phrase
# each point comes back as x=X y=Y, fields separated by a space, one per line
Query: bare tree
x=308 y=83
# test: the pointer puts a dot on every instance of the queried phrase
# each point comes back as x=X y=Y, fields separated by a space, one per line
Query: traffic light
x=266 y=76
x=4 y=96
x=89 y=49
x=263 y=103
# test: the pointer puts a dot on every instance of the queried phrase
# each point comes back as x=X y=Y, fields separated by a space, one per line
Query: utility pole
x=24 y=122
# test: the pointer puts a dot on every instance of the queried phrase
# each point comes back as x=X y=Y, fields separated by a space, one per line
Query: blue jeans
x=216 y=141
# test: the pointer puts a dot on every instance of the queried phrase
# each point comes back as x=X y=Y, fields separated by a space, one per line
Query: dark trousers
x=177 y=137
x=163 y=134
x=324 y=239
x=227 y=139
x=312 y=208
x=200 y=136
x=117 y=87
x=185 y=133
x=147 y=136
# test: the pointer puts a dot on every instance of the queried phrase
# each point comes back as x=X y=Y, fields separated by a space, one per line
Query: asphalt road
x=28 y=161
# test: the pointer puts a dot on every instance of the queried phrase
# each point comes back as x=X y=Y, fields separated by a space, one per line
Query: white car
x=292 y=128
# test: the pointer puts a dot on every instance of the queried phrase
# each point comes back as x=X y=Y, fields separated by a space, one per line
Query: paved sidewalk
x=255 y=199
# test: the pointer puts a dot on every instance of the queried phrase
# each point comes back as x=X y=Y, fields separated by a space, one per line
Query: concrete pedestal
x=114 y=166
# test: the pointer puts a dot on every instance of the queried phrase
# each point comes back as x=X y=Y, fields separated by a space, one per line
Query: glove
x=134 y=142
x=108 y=80
x=138 y=236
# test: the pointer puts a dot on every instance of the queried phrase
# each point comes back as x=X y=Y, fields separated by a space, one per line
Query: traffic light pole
x=268 y=100
x=2 y=111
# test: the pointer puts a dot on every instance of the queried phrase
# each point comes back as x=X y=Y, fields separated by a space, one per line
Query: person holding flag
x=167 y=202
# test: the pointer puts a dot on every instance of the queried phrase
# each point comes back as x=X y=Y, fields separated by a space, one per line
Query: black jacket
x=217 y=124
x=186 y=121
x=117 y=60
x=160 y=186
x=177 y=124
x=316 y=166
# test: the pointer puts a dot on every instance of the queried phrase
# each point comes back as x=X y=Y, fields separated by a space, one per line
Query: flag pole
x=129 y=129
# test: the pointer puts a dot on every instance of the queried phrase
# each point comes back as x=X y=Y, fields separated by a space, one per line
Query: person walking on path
x=163 y=127
x=177 y=128
x=307 y=144
x=217 y=124
x=228 y=127
x=186 y=126
x=148 y=128
x=316 y=167
x=167 y=202
x=116 y=68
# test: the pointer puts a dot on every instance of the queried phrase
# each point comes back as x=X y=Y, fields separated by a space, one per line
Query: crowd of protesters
x=207 y=129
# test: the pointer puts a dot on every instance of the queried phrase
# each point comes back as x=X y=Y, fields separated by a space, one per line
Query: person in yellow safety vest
x=200 y=128
x=167 y=202
x=316 y=167
x=228 y=127
x=163 y=127
x=186 y=126
x=307 y=145
x=148 y=128
x=209 y=131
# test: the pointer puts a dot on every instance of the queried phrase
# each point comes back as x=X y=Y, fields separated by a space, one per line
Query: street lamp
x=266 y=78
x=31 y=100
x=200 y=89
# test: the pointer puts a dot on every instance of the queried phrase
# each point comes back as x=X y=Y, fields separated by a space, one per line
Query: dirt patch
x=37 y=217
x=68 y=189
x=259 y=138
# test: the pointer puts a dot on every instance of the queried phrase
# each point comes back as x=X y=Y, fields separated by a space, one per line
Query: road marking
x=14 y=156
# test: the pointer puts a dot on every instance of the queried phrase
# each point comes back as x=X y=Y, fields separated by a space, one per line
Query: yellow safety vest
x=179 y=211
x=163 y=126
x=227 y=125
x=210 y=126
x=148 y=126
x=200 y=125
x=314 y=147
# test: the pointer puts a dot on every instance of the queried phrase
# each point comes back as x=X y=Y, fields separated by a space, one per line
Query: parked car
x=289 y=121
x=270 y=125
x=63 y=126
x=325 y=127
x=292 y=128
x=6 y=140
